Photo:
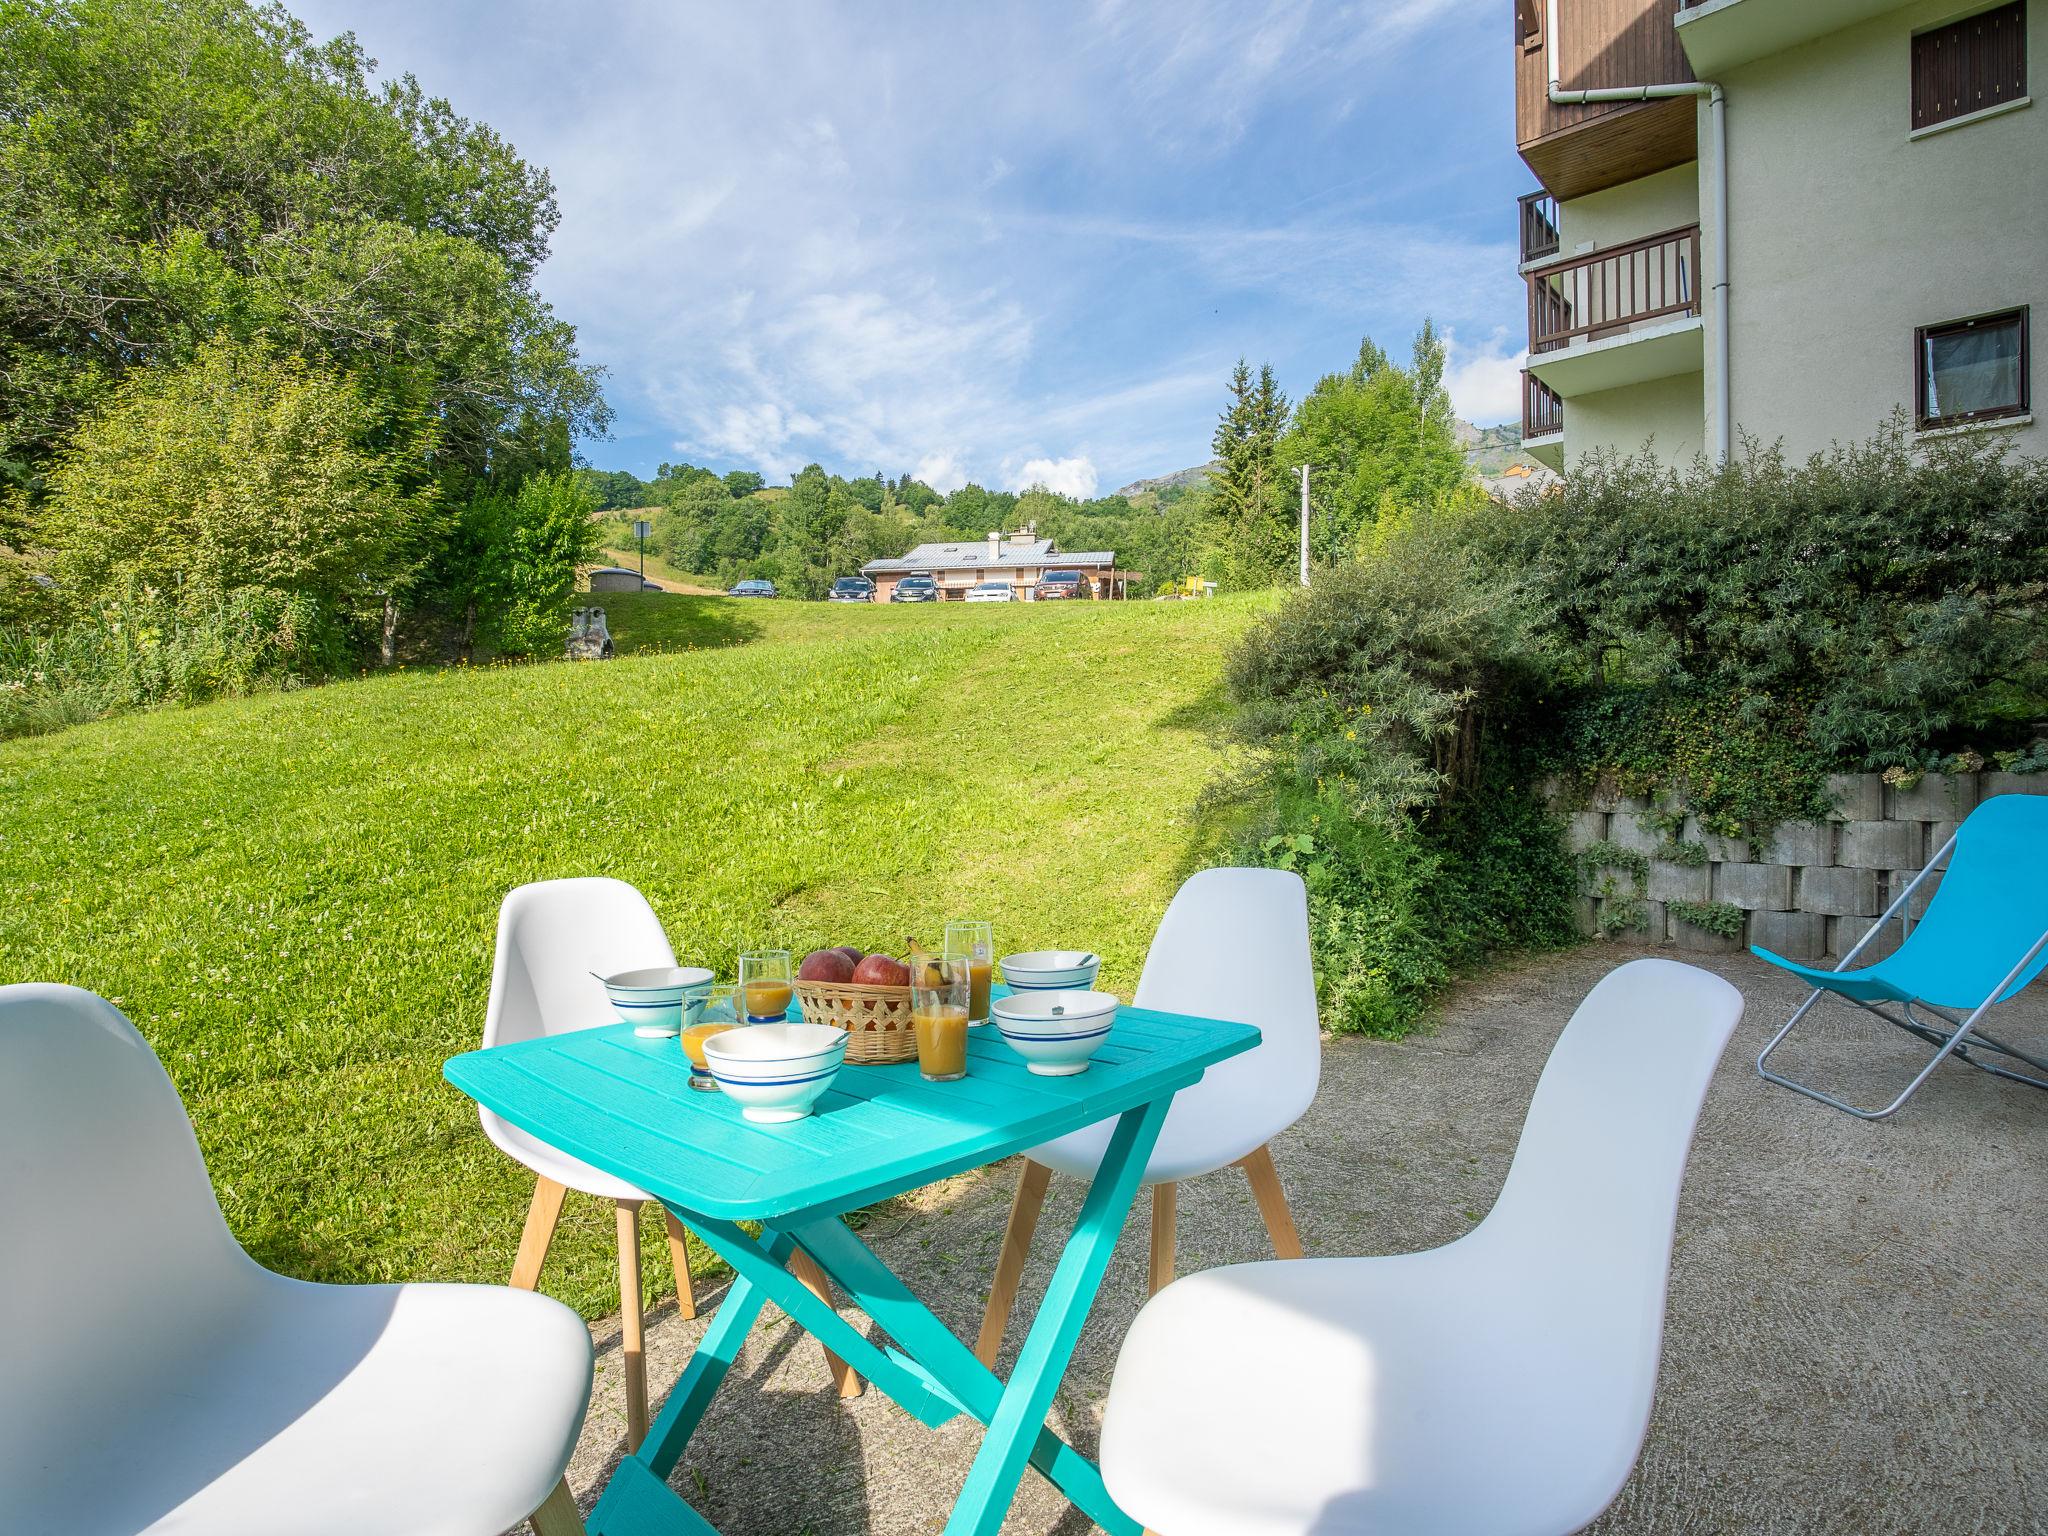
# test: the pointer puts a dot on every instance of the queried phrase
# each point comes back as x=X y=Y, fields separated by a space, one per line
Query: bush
x=143 y=649
x=1387 y=708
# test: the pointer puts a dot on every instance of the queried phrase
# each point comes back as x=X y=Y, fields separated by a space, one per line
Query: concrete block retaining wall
x=1813 y=889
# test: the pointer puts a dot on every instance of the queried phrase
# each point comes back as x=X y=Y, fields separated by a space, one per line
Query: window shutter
x=1968 y=65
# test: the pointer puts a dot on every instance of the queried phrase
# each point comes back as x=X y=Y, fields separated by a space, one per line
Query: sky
x=1012 y=241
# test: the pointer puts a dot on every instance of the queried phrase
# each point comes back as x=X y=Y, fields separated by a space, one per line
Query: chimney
x=995 y=545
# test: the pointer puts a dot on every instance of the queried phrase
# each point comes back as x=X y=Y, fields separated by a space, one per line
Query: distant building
x=1020 y=559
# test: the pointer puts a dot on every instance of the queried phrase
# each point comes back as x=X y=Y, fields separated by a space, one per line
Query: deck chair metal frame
x=1962 y=1037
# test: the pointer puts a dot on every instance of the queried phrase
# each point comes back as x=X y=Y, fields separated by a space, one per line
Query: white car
x=991 y=592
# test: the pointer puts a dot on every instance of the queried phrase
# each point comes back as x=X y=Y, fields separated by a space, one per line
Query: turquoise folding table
x=622 y=1104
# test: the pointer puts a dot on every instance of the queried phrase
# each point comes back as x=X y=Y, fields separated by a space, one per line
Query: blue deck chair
x=1984 y=937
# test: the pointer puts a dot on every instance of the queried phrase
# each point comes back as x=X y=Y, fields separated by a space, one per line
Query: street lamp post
x=1304 y=524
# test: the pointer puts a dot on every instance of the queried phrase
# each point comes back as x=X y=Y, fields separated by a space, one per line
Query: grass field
x=294 y=895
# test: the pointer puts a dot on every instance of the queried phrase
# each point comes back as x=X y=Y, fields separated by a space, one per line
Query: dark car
x=1054 y=586
x=853 y=589
x=753 y=586
x=915 y=589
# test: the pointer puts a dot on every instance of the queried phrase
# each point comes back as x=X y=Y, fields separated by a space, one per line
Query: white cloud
x=1069 y=477
x=942 y=472
x=1485 y=381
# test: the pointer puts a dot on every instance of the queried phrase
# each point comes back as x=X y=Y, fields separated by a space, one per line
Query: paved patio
x=1854 y=1341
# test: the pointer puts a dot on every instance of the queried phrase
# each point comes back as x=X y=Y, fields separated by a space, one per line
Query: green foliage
x=1247 y=499
x=1865 y=605
x=510 y=567
x=1690 y=855
x=1715 y=917
x=176 y=168
x=142 y=648
x=294 y=895
x=1621 y=910
x=1381 y=683
x=1383 y=708
x=245 y=467
x=1379 y=442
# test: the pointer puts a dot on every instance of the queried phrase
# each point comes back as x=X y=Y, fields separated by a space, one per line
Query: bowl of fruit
x=866 y=995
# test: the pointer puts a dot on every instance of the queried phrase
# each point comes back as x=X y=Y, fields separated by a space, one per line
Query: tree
x=809 y=525
x=1254 y=531
x=1380 y=442
x=178 y=168
x=742 y=482
x=246 y=467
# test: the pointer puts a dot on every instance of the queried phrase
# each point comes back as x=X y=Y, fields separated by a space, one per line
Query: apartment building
x=1785 y=218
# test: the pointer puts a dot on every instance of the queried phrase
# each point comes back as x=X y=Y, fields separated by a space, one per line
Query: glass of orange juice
x=939 y=993
x=764 y=987
x=973 y=943
x=719 y=1015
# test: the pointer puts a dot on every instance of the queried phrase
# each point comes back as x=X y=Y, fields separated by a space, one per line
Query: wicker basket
x=876 y=1019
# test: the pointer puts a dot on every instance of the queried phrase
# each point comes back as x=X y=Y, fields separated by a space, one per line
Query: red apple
x=829 y=965
x=881 y=971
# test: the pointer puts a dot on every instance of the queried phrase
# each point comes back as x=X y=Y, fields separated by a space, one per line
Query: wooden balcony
x=1542 y=408
x=1539 y=223
x=1575 y=150
x=1612 y=292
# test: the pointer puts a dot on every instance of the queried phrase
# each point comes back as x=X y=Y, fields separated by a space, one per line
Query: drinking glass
x=973 y=943
x=764 y=986
x=938 y=1017
x=721 y=1012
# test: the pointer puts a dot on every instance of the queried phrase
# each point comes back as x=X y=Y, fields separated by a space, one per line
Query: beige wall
x=1648 y=206
x=1667 y=415
x=1845 y=232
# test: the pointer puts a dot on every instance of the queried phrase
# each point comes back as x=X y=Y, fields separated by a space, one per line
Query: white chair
x=157 y=1379
x=1500 y=1384
x=555 y=938
x=1232 y=945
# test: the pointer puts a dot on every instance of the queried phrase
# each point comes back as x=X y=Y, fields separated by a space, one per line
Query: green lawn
x=294 y=896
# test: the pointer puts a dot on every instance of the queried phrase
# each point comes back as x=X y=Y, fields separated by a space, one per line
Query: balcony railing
x=1539 y=226
x=1610 y=292
x=1542 y=408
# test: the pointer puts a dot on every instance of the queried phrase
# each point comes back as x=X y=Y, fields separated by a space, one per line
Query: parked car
x=753 y=586
x=915 y=589
x=1055 y=585
x=852 y=589
x=991 y=592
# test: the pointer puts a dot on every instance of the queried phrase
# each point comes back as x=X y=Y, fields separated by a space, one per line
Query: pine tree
x=1252 y=531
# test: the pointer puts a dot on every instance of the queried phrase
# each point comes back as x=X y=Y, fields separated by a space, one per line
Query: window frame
x=1923 y=333
x=1963 y=109
x=1529 y=33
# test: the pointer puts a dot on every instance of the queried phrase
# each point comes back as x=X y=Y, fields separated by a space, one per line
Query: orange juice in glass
x=938 y=1017
x=765 y=989
x=719 y=1016
x=973 y=944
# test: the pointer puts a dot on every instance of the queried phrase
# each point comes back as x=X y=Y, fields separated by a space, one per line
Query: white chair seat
x=1409 y=1395
x=436 y=1410
x=553 y=1163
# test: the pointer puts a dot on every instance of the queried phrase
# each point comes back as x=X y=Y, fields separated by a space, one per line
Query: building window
x=1529 y=23
x=1971 y=370
x=1970 y=65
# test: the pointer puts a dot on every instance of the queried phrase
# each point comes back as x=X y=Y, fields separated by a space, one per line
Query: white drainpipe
x=1717 y=111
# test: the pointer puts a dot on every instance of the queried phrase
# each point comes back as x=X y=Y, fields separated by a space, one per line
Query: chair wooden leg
x=632 y=1348
x=1258 y=1167
x=541 y=1217
x=1024 y=1208
x=679 y=1255
x=557 y=1514
x=819 y=1284
x=1165 y=1206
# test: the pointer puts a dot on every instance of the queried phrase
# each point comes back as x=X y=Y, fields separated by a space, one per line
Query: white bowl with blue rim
x=776 y=1072
x=1055 y=1032
x=1051 y=970
x=659 y=1000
